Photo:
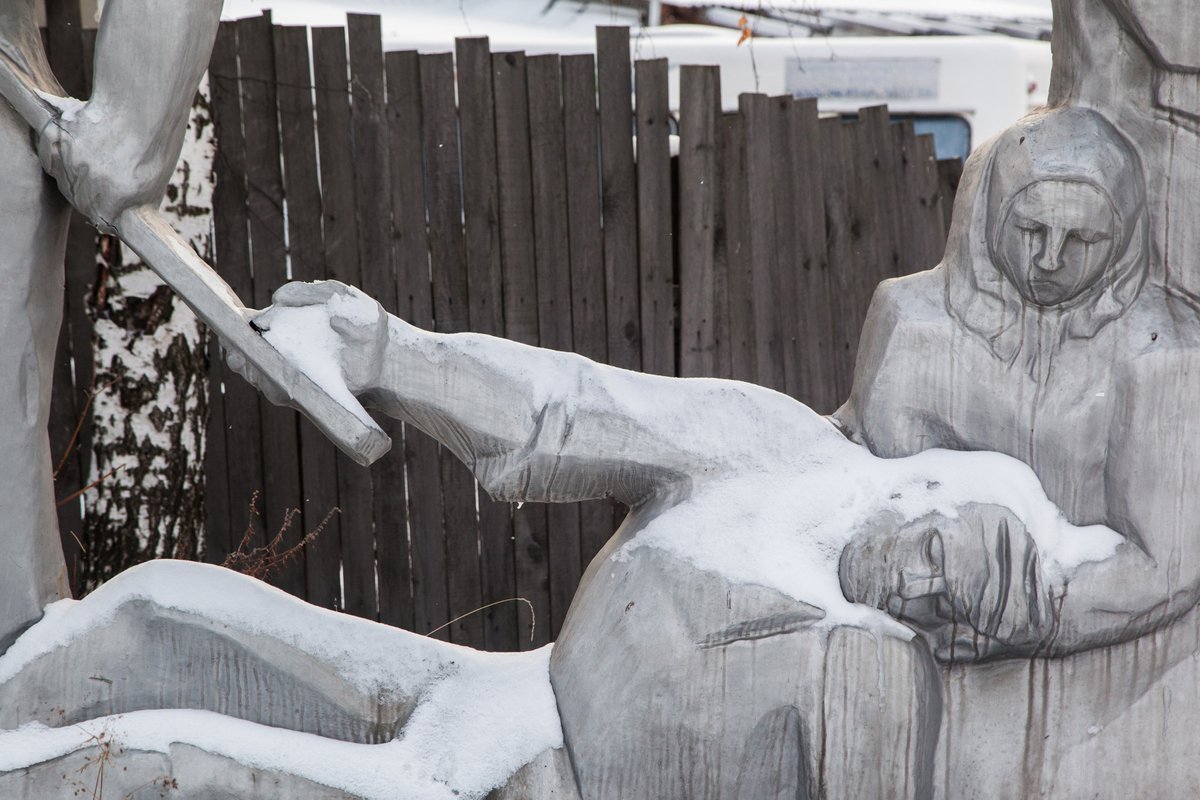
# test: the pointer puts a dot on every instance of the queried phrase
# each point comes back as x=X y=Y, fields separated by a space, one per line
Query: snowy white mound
x=481 y=716
x=785 y=528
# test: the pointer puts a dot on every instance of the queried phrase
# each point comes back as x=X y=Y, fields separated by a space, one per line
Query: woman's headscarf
x=1068 y=143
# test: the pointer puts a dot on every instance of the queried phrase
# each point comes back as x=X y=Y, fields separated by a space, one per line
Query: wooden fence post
x=589 y=331
x=742 y=356
x=242 y=422
x=783 y=293
x=547 y=146
x=519 y=265
x=264 y=183
x=619 y=193
x=451 y=313
x=409 y=261
x=440 y=141
x=381 y=517
x=306 y=251
x=699 y=211
x=520 y=210
x=814 y=305
x=335 y=152
x=656 y=269
x=768 y=282
x=481 y=214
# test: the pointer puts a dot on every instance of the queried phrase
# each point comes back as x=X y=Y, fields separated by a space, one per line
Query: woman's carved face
x=1057 y=240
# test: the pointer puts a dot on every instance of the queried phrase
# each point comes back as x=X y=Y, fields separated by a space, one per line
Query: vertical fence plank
x=618 y=182
x=655 y=217
x=785 y=294
x=242 y=419
x=548 y=150
x=409 y=263
x=318 y=464
x=481 y=200
x=743 y=358
x=843 y=254
x=406 y=99
x=619 y=193
x=928 y=207
x=450 y=311
x=230 y=249
x=699 y=196
x=949 y=174
x=588 y=321
x=336 y=153
x=549 y=206
x=481 y=215
x=264 y=180
x=518 y=257
x=878 y=181
x=452 y=315
x=386 y=541
x=518 y=261
x=758 y=175
x=409 y=259
x=580 y=126
x=817 y=388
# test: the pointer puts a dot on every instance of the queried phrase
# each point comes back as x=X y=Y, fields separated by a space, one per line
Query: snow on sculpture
x=795 y=606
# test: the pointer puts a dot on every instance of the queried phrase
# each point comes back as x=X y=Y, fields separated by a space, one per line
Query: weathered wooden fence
x=500 y=193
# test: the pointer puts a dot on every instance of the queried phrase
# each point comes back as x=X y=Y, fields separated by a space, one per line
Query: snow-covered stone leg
x=144 y=654
x=33 y=226
x=183 y=773
x=306 y=699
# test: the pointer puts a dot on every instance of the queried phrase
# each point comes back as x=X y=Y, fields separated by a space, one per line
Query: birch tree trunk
x=151 y=406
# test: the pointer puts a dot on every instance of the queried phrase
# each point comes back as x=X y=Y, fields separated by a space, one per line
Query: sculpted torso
x=958 y=395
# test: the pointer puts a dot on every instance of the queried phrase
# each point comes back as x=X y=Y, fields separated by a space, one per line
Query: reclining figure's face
x=1057 y=239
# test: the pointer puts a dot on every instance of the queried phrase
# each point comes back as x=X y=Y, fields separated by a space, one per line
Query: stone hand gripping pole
x=64 y=123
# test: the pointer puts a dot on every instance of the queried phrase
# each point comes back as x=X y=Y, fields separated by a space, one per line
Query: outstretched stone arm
x=118 y=150
x=546 y=426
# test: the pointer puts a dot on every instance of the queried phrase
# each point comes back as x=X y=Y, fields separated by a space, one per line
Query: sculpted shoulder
x=906 y=323
x=1161 y=339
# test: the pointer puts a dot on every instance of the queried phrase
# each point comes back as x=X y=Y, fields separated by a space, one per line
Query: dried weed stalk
x=263 y=562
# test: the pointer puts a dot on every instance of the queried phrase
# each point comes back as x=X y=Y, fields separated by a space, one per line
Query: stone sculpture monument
x=980 y=578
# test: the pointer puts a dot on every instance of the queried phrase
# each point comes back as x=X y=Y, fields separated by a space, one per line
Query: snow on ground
x=482 y=715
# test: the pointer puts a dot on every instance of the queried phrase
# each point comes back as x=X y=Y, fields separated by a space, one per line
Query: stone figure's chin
x=1048 y=293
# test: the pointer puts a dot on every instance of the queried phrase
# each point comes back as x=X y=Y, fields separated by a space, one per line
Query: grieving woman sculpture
x=1037 y=338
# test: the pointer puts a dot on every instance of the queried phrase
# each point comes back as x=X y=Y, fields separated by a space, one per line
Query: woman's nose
x=1050 y=257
